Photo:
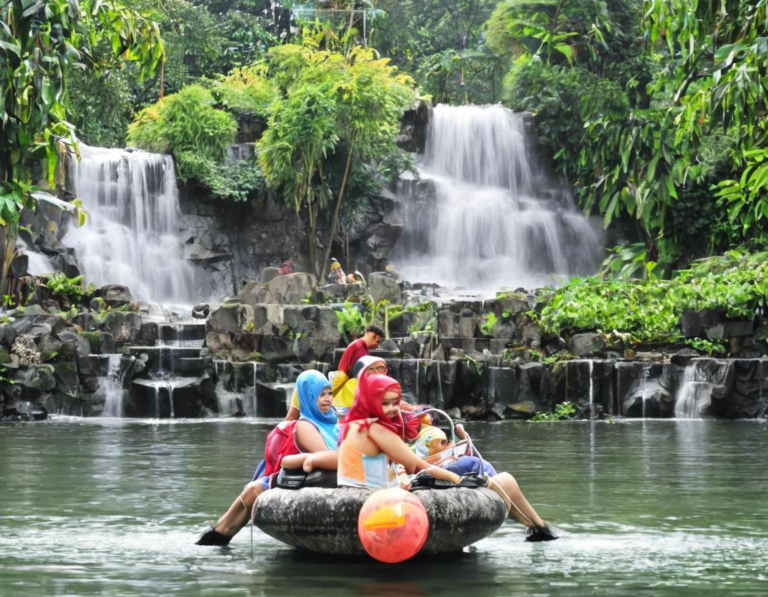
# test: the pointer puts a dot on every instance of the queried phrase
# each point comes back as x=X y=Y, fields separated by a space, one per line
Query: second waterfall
x=497 y=220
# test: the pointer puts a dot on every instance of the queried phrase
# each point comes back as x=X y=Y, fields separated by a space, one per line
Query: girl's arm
x=397 y=451
x=308 y=438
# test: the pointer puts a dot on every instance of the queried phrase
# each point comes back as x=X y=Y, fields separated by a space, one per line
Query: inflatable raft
x=324 y=520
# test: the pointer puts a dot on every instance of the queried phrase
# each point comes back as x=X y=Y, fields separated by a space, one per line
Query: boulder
x=38 y=380
x=381 y=239
x=25 y=350
x=382 y=286
x=124 y=327
x=501 y=385
x=230 y=318
x=115 y=295
x=291 y=289
x=586 y=344
x=268 y=274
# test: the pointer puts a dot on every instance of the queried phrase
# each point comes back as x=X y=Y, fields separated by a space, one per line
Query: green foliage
x=351 y=319
x=650 y=310
x=710 y=347
x=100 y=105
x=246 y=91
x=68 y=288
x=489 y=322
x=39 y=42
x=4 y=379
x=564 y=411
x=187 y=124
x=328 y=101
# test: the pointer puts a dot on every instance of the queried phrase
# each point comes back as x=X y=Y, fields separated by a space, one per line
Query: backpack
x=280 y=443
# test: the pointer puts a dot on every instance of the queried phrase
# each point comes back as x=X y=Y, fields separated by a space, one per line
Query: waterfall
x=591 y=389
x=497 y=221
x=37 y=263
x=131 y=236
x=702 y=378
x=112 y=387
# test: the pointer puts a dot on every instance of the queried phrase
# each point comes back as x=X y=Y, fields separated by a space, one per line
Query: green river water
x=112 y=507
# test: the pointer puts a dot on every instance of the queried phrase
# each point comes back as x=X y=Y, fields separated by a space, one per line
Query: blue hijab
x=309 y=386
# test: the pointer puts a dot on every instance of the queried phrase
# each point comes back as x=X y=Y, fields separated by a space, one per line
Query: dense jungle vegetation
x=654 y=111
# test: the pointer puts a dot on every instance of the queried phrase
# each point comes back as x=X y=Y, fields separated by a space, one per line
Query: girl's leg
x=520 y=509
x=239 y=512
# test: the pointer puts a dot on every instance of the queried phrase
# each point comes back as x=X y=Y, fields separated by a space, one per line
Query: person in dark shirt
x=359 y=348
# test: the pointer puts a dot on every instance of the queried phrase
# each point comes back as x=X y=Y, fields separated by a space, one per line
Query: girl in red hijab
x=374 y=430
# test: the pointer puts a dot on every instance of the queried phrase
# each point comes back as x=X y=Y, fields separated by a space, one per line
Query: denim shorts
x=471 y=464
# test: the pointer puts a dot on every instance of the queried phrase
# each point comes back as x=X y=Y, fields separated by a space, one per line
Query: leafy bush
x=351 y=319
x=246 y=91
x=69 y=288
x=650 y=310
x=489 y=321
x=187 y=122
x=563 y=412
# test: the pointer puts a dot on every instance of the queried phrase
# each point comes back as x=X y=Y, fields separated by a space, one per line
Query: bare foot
x=307 y=466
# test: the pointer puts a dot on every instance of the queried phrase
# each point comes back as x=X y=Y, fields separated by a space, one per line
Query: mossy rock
x=94 y=339
x=5 y=355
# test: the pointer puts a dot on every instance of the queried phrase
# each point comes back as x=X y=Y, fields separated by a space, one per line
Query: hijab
x=309 y=386
x=363 y=363
x=367 y=405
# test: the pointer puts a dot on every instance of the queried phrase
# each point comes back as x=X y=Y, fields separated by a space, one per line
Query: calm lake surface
x=113 y=506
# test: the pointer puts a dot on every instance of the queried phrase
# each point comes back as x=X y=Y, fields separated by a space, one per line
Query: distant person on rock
x=353 y=353
x=336 y=275
x=356 y=278
x=288 y=267
x=391 y=272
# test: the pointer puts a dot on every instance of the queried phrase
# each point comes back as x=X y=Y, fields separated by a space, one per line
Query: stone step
x=170 y=398
x=181 y=334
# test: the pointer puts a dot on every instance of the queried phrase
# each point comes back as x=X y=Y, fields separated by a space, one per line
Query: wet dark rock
x=382 y=238
x=124 y=327
x=587 y=344
x=275 y=349
x=644 y=389
x=498 y=411
x=501 y=385
x=690 y=324
x=201 y=311
x=413 y=129
x=115 y=295
x=37 y=380
x=731 y=329
x=230 y=318
x=184 y=397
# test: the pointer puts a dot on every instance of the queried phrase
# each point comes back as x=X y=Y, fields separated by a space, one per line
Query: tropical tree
x=330 y=100
x=39 y=41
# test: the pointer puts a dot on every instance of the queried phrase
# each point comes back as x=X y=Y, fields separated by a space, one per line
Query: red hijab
x=367 y=405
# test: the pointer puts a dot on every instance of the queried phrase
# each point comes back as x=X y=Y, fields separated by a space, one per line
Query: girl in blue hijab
x=311 y=387
x=315 y=436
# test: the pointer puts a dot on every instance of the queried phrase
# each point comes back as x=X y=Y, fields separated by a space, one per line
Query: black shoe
x=213 y=537
x=544 y=533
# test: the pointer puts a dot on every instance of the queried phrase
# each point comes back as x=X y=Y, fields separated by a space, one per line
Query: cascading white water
x=131 y=237
x=701 y=378
x=495 y=224
x=37 y=263
x=112 y=387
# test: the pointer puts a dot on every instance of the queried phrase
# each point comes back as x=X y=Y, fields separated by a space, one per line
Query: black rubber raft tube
x=325 y=520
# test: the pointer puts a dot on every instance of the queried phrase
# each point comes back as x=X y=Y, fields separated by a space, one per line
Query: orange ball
x=392 y=525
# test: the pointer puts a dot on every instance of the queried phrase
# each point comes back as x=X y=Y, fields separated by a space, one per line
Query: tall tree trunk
x=335 y=221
